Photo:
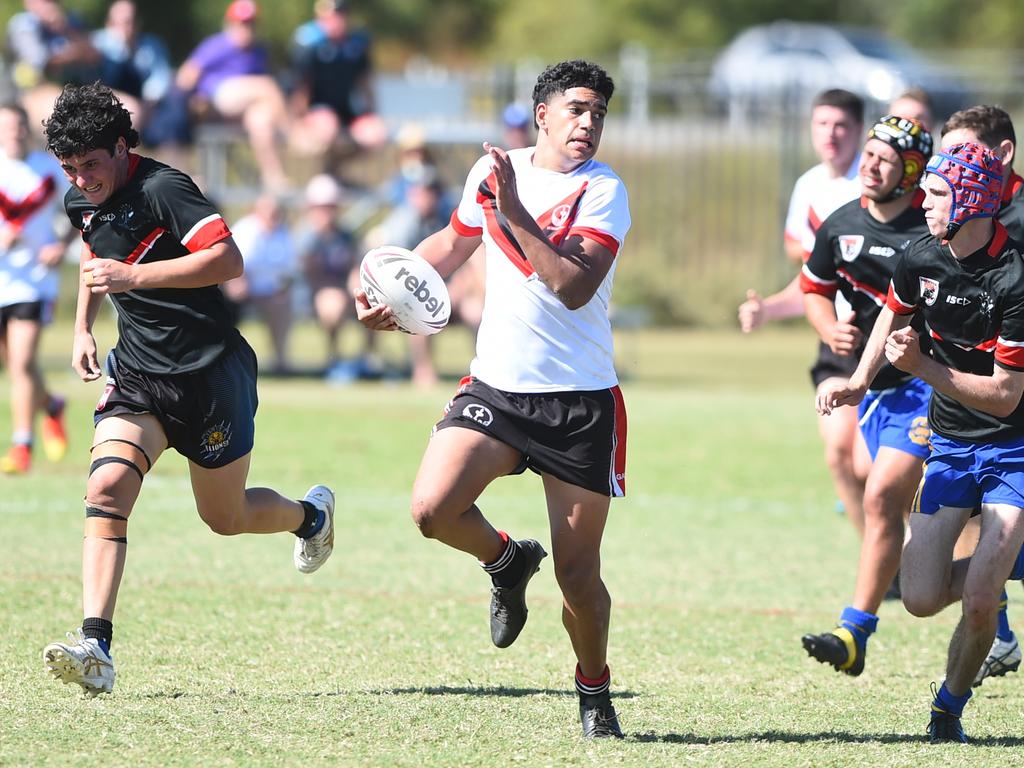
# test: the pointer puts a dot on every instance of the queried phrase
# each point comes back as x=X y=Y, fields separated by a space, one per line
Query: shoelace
x=501 y=611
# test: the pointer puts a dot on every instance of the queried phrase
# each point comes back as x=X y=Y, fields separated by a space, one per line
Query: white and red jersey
x=816 y=195
x=528 y=340
x=31 y=191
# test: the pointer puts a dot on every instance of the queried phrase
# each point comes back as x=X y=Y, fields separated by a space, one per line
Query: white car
x=784 y=64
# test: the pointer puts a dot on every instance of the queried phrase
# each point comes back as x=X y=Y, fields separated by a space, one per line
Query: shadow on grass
x=482 y=690
x=785 y=737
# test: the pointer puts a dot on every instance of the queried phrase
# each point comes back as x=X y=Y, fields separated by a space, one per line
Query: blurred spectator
x=31 y=191
x=48 y=47
x=328 y=254
x=423 y=213
x=137 y=66
x=915 y=104
x=517 y=127
x=415 y=162
x=229 y=77
x=333 y=94
x=265 y=287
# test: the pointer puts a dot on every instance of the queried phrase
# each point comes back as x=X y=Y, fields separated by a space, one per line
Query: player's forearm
x=210 y=266
x=87 y=307
x=446 y=250
x=573 y=277
x=872 y=359
x=821 y=314
x=998 y=394
x=789 y=302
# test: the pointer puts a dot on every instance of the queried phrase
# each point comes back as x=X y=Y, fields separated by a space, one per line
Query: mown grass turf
x=725 y=551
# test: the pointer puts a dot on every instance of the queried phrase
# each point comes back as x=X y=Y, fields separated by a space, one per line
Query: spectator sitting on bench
x=229 y=77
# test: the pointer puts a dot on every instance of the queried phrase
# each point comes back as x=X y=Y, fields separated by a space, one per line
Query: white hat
x=322 y=189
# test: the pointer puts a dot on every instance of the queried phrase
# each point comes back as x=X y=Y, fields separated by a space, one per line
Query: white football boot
x=81 y=660
x=1003 y=657
x=313 y=552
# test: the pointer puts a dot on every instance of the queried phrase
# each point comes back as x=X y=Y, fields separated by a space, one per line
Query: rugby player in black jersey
x=966 y=282
x=180 y=376
x=855 y=252
x=992 y=127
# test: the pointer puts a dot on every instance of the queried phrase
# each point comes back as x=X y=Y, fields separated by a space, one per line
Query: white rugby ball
x=412 y=288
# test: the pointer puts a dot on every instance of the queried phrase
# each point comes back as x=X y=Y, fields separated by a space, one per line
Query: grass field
x=726 y=550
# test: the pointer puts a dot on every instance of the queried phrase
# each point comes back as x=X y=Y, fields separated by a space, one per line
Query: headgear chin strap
x=913 y=144
x=975 y=177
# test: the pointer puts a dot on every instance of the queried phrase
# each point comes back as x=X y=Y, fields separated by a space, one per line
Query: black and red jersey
x=1011 y=208
x=159 y=214
x=855 y=254
x=973 y=311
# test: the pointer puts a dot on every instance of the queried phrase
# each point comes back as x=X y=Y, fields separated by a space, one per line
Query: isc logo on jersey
x=850 y=245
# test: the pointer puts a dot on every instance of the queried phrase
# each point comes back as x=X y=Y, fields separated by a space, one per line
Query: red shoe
x=17 y=461
x=55 y=437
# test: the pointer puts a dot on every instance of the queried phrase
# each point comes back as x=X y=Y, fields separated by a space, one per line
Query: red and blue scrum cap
x=975 y=177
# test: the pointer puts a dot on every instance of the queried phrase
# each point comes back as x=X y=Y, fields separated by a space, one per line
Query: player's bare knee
x=980 y=607
x=578 y=579
x=920 y=602
x=426 y=516
x=222 y=519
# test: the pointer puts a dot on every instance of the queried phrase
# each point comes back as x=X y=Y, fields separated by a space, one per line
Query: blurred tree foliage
x=463 y=31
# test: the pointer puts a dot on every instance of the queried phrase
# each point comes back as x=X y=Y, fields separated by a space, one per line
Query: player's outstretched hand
x=846 y=337
x=836 y=394
x=903 y=350
x=506 y=195
x=379 y=318
x=83 y=357
x=751 y=312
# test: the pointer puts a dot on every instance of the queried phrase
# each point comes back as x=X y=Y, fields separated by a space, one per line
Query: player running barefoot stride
x=542 y=392
x=181 y=376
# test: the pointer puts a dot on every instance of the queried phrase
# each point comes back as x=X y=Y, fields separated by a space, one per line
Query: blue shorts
x=897 y=418
x=965 y=475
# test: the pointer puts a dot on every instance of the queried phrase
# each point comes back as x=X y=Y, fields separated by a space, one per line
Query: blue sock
x=1003 y=631
x=860 y=623
x=947 y=702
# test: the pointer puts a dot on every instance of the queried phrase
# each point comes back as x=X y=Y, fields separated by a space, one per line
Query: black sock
x=100 y=630
x=593 y=686
x=508 y=569
x=310 y=523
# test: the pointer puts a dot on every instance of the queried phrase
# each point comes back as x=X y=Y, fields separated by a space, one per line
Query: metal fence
x=708 y=183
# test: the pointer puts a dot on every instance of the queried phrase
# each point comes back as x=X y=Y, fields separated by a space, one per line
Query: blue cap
x=516 y=116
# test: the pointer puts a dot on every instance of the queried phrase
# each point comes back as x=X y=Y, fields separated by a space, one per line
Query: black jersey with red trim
x=159 y=214
x=1011 y=209
x=855 y=254
x=973 y=311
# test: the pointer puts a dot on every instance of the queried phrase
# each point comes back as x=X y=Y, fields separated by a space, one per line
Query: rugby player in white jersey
x=542 y=392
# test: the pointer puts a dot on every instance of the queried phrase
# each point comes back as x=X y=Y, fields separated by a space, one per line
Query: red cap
x=241 y=11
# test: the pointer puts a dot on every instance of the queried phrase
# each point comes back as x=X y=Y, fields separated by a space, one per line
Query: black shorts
x=829 y=365
x=208 y=415
x=34 y=311
x=578 y=437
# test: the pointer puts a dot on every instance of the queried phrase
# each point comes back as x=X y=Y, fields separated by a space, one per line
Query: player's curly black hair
x=85 y=118
x=558 y=78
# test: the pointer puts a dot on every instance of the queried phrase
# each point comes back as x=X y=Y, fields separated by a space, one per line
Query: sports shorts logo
x=481 y=414
x=215 y=440
x=929 y=290
x=850 y=245
x=919 y=433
